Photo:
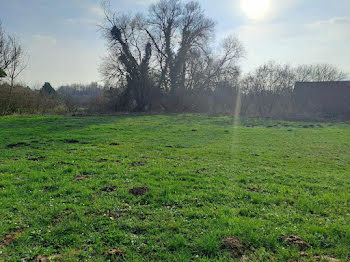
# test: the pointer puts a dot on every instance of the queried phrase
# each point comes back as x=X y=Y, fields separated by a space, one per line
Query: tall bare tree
x=163 y=22
x=12 y=57
x=130 y=54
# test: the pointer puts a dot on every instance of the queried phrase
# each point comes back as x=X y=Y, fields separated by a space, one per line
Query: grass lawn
x=68 y=189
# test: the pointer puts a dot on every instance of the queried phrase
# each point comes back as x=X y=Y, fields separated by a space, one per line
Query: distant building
x=330 y=99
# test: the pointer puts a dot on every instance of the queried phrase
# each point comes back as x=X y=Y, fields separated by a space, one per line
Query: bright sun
x=255 y=9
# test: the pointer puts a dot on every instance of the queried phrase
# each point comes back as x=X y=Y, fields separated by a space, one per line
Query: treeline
x=165 y=60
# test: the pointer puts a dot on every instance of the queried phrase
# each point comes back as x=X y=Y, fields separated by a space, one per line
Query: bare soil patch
x=55 y=257
x=236 y=248
x=114 y=252
x=71 y=141
x=139 y=191
x=201 y=170
x=326 y=259
x=109 y=189
x=254 y=189
x=37 y=158
x=19 y=144
x=83 y=177
x=138 y=163
x=294 y=240
x=10 y=237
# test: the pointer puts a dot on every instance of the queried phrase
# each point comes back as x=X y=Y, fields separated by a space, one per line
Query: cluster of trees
x=268 y=90
x=167 y=58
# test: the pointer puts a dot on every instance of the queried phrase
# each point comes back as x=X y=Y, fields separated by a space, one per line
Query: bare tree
x=12 y=61
x=18 y=63
x=163 y=22
x=12 y=57
x=207 y=68
x=196 y=30
x=176 y=29
x=267 y=87
x=129 y=58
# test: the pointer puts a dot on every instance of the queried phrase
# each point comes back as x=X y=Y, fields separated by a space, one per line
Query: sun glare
x=255 y=9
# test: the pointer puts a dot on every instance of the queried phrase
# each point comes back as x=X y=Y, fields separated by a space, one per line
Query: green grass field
x=65 y=191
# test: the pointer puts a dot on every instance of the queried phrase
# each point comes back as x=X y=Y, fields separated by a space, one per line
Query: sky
x=63 y=44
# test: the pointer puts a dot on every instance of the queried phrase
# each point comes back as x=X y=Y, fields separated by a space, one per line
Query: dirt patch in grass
x=10 y=237
x=61 y=163
x=294 y=240
x=83 y=177
x=326 y=259
x=71 y=141
x=254 y=189
x=114 y=144
x=289 y=202
x=114 y=252
x=139 y=163
x=19 y=144
x=37 y=158
x=139 y=191
x=201 y=170
x=55 y=257
x=109 y=189
x=236 y=248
